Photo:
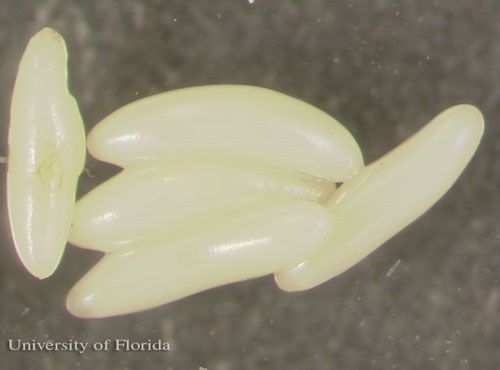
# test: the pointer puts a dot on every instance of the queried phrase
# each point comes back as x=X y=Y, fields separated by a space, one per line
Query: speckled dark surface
x=382 y=67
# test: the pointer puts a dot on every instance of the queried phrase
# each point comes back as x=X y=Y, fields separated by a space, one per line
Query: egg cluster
x=219 y=184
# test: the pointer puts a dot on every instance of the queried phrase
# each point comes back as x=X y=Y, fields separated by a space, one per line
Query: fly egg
x=46 y=154
x=220 y=184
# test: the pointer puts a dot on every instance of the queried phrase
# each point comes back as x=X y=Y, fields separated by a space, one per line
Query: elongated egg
x=46 y=154
x=390 y=193
x=141 y=204
x=227 y=122
x=254 y=243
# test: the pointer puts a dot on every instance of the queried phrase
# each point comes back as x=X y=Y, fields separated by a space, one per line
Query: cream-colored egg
x=227 y=122
x=254 y=243
x=390 y=193
x=46 y=154
x=141 y=204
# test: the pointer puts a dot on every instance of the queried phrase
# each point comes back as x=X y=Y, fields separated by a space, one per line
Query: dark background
x=384 y=68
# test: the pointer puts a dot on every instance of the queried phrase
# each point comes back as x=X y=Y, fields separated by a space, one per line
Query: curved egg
x=141 y=204
x=390 y=193
x=227 y=122
x=254 y=243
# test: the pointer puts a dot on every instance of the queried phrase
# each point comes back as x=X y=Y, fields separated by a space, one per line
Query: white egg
x=141 y=204
x=46 y=154
x=254 y=243
x=390 y=193
x=227 y=122
x=221 y=184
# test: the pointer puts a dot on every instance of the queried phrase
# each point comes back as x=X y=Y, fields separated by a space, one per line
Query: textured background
x=382 y=67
